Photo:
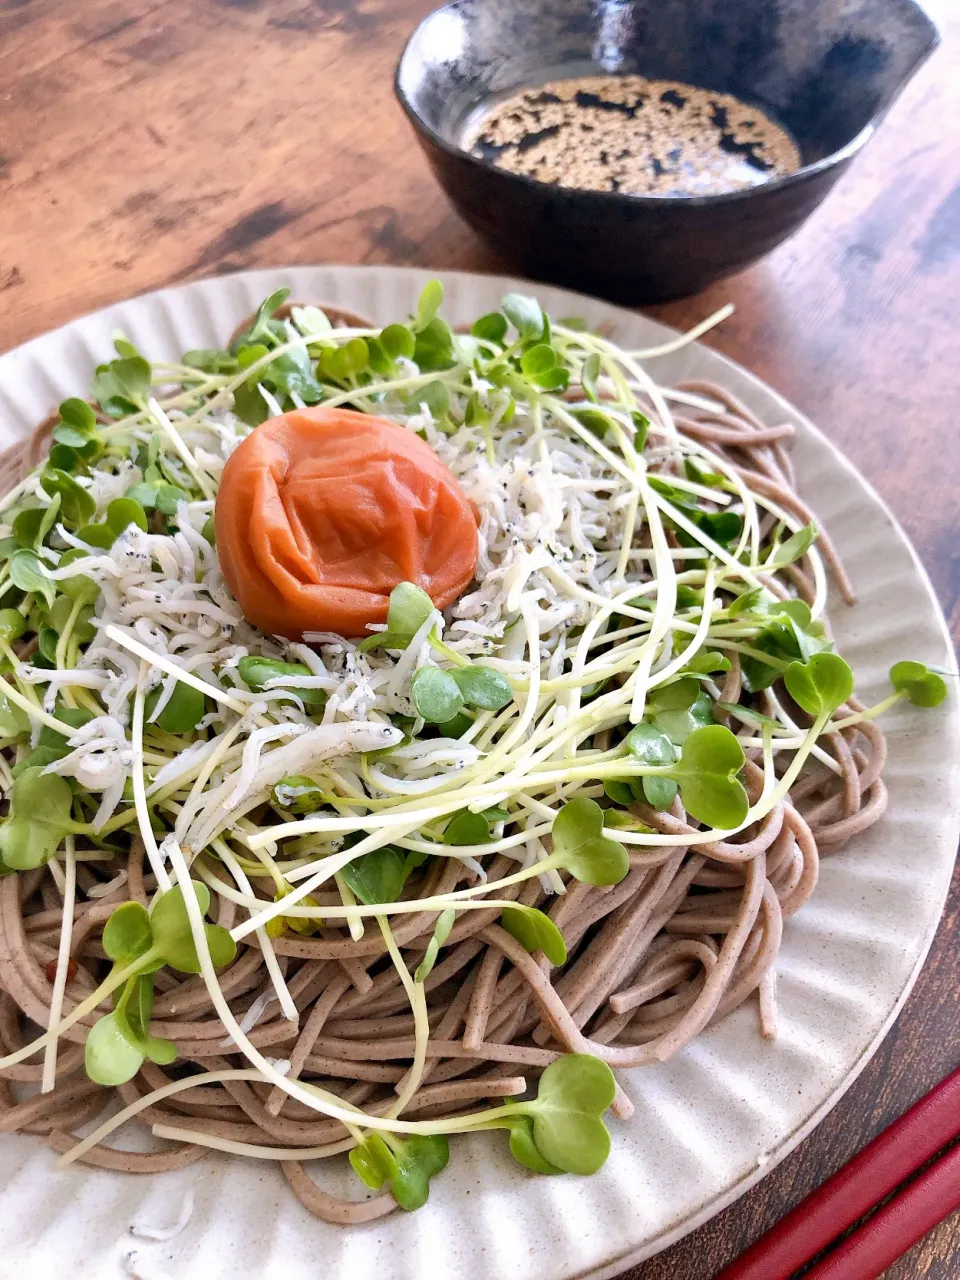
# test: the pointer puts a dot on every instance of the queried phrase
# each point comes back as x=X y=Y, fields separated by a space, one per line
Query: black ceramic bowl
x=826 y=69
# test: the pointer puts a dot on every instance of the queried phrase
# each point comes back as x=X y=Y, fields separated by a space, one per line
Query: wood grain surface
x=144 y=142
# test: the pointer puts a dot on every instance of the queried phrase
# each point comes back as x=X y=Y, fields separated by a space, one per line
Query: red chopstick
x=880 y=1168
x=892 y=1230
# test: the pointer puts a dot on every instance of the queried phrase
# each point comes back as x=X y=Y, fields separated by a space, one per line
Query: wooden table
x=149 y=141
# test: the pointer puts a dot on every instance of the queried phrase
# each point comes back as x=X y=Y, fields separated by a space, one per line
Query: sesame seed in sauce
x=634 y=135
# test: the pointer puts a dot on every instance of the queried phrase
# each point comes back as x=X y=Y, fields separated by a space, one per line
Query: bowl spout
x=836 y=79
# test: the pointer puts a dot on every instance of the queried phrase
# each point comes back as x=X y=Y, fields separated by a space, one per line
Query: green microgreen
x=77 y=506
x=405 y=1165
x=408 y=609
x=466 y=828
x=679 y=722
x=299 y=794
x=623 y=791
x=477 y=414
x=434 y=396
x=535 y=931
x=589 y=375
x=397 y=341
x=706 y=662
x=158 y=495
x=377 y=876
x=304 y=925
x=539 y=363
x=257 y=672
x=523 y=1146
x=491 y=328
x=14 y=723
x=696 y=473
x=755 y=599
x=616 y=819
x=78 y=586
x=139 y=1007
x=140 y=942
x=794 y=548
x=791 y=633
x=688 y=597
x=707 y=772
x=676 y=695
x=750 y=716
x=119 y=1042
x=28 y=573
x=918 y=683
x=436 y=695
x=59 y=618
x=819 y=685
x=183 y=711
x=47 y=640
x=525 y=315
x=100 y=536
x=122 y=387
x=78 y=424
x=561 y=1130
x=482 y=687
x=12 y=624
x=30 y=528
x=722 y=526
x=173 y=943
x=335 y=364
x=433 y=349
x=580 y=847
x=456 y=727
x=119 y=516
x=210 y=361
x=428 y=304
x=127 y=934
x=650 y=745
x=596 y=421
x=111 y=1055
x=40 y=816
x=310 y=321
x=641 y=424
x=263 y=328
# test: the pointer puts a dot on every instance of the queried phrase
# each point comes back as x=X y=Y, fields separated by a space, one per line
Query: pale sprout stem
x=63 y=960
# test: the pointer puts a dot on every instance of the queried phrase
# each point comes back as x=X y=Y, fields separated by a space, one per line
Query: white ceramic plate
x=710 y=1122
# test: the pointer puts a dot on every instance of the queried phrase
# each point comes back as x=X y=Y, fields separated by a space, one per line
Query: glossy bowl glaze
x=825 y=69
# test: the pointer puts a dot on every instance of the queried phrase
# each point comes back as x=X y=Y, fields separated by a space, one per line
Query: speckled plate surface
x=710 y=1122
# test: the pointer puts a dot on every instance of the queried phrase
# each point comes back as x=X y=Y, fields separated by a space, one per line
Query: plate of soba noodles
x=479 y=780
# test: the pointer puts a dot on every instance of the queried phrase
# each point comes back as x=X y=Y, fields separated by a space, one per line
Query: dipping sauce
x=631 y=134
x=322 y=512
